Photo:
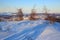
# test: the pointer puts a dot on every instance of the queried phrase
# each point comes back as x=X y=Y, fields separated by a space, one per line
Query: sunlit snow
x=29 y=30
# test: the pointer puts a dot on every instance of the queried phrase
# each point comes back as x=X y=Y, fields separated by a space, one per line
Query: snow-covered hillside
x=29 y=30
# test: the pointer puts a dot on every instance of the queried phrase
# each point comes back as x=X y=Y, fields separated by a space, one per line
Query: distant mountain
x=6 y=13
x=26 y=14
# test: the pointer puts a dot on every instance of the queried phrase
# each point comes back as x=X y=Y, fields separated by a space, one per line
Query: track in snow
x=26 y=30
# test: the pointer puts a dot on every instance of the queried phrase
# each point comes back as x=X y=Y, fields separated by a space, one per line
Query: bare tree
x=20 y=14
x=50 y=18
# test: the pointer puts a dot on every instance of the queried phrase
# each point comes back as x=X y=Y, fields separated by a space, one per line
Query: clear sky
x=27 y=5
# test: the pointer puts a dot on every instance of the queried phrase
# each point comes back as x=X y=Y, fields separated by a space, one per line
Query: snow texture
x=29 y=30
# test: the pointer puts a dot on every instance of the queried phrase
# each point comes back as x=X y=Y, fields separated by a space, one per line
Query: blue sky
x=27 y=5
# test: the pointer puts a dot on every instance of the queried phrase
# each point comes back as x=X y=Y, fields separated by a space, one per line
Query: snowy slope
x=50 y=33
x=29 y=30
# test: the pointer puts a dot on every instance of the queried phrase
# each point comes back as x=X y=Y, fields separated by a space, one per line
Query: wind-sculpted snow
x=48 y=32
x=30 y=30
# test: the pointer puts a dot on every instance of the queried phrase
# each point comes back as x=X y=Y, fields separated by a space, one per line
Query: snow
x=29 y=30
x=48 y=32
